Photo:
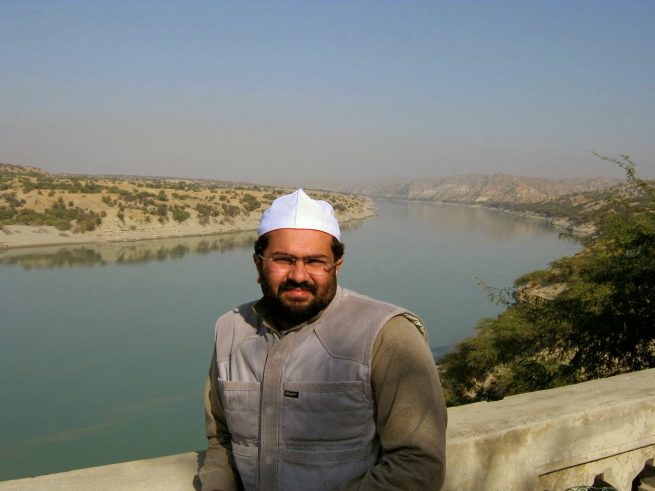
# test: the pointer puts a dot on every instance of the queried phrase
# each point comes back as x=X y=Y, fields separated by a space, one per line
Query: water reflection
x=493 y=223
x=132 y=252
x=124 y=253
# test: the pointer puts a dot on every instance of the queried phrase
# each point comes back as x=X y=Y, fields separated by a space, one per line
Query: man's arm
x=411 y=413
x=218 y=472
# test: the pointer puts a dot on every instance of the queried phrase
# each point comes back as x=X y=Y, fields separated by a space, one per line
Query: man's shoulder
x=369 y=307
x=353 y=296
x=242 y=314
x=352 y=322
x=240 y=310
x=234 y=327
x=363 y=304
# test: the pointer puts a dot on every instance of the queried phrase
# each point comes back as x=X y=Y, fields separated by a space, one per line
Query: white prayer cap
x=297 y=210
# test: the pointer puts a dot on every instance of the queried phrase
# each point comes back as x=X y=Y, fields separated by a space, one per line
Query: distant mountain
x=493 y=189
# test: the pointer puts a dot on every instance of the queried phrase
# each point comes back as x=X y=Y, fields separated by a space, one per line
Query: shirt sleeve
x=411 y=414
x=218 y=471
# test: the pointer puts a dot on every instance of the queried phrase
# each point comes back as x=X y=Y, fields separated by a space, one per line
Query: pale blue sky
x=301 y=91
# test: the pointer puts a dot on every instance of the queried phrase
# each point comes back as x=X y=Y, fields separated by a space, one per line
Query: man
x=315 y=386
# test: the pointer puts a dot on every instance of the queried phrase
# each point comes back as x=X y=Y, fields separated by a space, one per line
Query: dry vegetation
x=161 y=207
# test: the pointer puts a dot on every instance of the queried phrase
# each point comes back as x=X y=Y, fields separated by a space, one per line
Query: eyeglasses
x=283 y=264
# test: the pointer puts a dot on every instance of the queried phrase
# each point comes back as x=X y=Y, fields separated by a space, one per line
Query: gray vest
x=300 y=408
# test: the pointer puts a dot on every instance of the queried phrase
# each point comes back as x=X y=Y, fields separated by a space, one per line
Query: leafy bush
x=205 y=212
x=599 y=324
x=180 y=215
x=250 y=203
x=230 y=210
x=58 y=215
x=7 y=214
x=12 y=200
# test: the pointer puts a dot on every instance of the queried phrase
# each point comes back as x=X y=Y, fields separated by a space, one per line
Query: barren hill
x=41 y=208
x=473 y=188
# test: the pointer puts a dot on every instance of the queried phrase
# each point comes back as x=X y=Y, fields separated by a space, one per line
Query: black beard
x=292 y=313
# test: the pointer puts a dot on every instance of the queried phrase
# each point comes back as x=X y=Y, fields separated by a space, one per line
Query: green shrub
x=180 y=215
x=230 y=210
x=250 y=203
x=599 y=325
x=7 y=214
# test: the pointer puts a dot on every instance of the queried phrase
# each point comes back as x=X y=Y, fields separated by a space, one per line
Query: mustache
x=291 y=284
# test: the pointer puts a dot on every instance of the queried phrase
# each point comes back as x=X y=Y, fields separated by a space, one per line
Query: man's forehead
x=300 y=238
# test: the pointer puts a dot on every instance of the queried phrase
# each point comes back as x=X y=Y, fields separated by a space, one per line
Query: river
x=104 y=349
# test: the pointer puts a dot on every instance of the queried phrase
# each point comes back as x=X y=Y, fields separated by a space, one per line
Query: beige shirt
x=410 y=417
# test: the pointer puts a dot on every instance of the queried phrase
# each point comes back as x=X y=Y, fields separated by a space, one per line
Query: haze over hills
x=465 y=189
x=129 y=205
x=472 y=188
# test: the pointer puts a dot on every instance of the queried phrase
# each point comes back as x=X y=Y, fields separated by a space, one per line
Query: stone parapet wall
x=547 y=440
x=555 y=439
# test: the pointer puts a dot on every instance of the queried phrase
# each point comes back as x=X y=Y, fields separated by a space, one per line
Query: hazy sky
x=279 y=91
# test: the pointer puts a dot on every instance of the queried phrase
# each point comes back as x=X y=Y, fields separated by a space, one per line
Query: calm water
x=104 y=350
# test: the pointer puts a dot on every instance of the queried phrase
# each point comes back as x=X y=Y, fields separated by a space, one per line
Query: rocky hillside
x=474 y=189
x=574 y=204
x=129 y=208
x=584 y=207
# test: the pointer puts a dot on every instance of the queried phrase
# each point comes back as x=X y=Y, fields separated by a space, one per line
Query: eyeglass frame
x=293 y=260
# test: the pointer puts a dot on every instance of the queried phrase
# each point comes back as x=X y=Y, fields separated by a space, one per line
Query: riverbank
x=564 y=224
x=41 y=209
x=23 y=236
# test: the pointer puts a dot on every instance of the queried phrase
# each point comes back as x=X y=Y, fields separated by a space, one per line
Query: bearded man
x=315 y=386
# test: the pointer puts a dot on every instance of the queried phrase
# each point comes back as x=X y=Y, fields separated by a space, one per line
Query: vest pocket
x=328 y=414
x=245 y=457
x=323 y=470
x=241 y=406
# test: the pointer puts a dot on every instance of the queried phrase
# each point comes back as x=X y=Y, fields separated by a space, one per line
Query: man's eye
x=284 y=260
x=310 y=261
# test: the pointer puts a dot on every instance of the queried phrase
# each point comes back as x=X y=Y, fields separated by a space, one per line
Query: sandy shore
x=14 y=236
x=18 y=236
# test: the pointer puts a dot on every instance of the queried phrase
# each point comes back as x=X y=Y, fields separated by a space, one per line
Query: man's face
x=296 y=295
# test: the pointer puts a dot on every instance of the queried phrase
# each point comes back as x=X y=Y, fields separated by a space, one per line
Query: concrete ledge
x=554 y=439
x=546 y=440
x=165 y=473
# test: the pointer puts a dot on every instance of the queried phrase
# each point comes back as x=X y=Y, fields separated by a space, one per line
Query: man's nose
x=298 y=273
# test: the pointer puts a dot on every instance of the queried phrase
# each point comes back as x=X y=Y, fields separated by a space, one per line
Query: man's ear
x=337 y=265
x=258 y=264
